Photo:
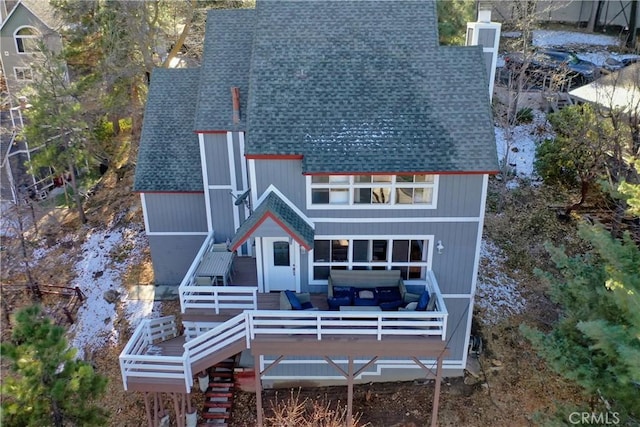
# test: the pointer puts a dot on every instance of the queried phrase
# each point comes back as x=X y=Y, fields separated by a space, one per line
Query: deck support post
x=257 y=369
x=147 y=408
x=436 y=392
x=350 y=376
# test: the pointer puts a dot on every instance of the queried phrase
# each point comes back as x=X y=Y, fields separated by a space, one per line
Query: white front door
x=280 y=263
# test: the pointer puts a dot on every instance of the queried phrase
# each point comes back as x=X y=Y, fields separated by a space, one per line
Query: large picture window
x=339 y=191
x=409 y=255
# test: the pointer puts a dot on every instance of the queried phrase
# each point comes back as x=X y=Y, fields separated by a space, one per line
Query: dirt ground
x=513 y=386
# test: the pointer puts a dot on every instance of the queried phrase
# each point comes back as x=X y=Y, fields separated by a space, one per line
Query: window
x=23 y=73
x=410 y=255
x=373 y=190
x=27 y=39
x=281 y=254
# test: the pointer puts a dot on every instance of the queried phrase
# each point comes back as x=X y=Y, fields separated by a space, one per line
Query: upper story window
x=27 y=40
x=349 y=191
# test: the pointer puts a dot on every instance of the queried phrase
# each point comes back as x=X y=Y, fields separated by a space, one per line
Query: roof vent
x=235 y=98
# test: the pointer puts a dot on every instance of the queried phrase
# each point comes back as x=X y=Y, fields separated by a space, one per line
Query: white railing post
x=247 y=328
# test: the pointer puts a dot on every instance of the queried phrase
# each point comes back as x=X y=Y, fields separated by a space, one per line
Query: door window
x=281 y=254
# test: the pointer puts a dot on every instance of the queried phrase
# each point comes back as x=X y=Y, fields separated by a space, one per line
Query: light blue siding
x=222 y=214
x=172 y=256
x=176 y=212
x=217 y=159
x=458 y=195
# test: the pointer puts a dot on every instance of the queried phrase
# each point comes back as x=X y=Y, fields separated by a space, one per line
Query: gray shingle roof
x=363 y=87
x=169 y=154
x=226 y=59
x=273 y=206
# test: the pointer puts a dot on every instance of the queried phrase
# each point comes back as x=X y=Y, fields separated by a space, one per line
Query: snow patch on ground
x=106 y=254
x=565 y=39
x=517 y=146
x=497 y=294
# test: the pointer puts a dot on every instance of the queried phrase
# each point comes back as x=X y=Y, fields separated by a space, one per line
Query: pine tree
x=56 y=122
x=453 y=16
x=46 y=385
x=596 y=342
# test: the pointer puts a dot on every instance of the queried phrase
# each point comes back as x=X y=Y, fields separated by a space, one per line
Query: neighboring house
x=619 y=90
x=317 y=136
x=25 y=24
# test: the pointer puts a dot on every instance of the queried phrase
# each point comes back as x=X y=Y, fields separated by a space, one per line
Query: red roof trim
x=405 y=173
x=274 y=156
x=246 y=235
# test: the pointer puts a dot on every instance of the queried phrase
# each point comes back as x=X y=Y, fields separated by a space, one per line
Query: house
x=315 y=137
x=25 y=24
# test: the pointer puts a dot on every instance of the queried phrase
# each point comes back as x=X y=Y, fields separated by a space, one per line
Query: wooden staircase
x=218 y=402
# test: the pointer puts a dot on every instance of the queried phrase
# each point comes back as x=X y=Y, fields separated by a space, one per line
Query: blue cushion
x=343 y=291
x=365 y=297
x=294 y=301
x=336 y=302
x=423 y=301
x=389 y=293
x=307 y=305
x=391 y=305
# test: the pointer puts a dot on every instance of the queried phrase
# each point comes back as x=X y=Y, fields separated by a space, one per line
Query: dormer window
x=376 y=191
x=27 y=39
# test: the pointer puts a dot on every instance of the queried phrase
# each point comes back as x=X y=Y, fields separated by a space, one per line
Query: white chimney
x=486 y=34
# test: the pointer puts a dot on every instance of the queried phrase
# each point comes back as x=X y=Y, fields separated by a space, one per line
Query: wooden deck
x=245 y=272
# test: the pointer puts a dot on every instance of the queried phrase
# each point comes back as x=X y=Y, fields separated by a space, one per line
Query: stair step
x=221 y=375
x=221 y=384
x=218 y=404
x=215 y=416
x=218 y=394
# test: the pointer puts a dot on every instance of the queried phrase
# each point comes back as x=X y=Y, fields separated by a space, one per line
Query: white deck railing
x=228 y=333
x=138 y=359
x=351 y=323
x=218 y=298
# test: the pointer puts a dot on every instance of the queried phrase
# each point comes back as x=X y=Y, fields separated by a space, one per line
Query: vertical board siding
x=222 y=214
x=172 y=256
x=285 y=175
x=217 y=158
x=458 y=309
x=176 y=212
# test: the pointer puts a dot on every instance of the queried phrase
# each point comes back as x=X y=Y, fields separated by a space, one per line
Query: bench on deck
x=383 y=288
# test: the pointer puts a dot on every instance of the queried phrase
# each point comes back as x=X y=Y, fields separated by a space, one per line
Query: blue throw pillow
x=293 y=300
x=423 y=301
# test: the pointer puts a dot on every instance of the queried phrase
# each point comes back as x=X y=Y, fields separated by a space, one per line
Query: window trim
x=428 y=263
x=23 y=69
x=393 y=185
x=16 y=36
